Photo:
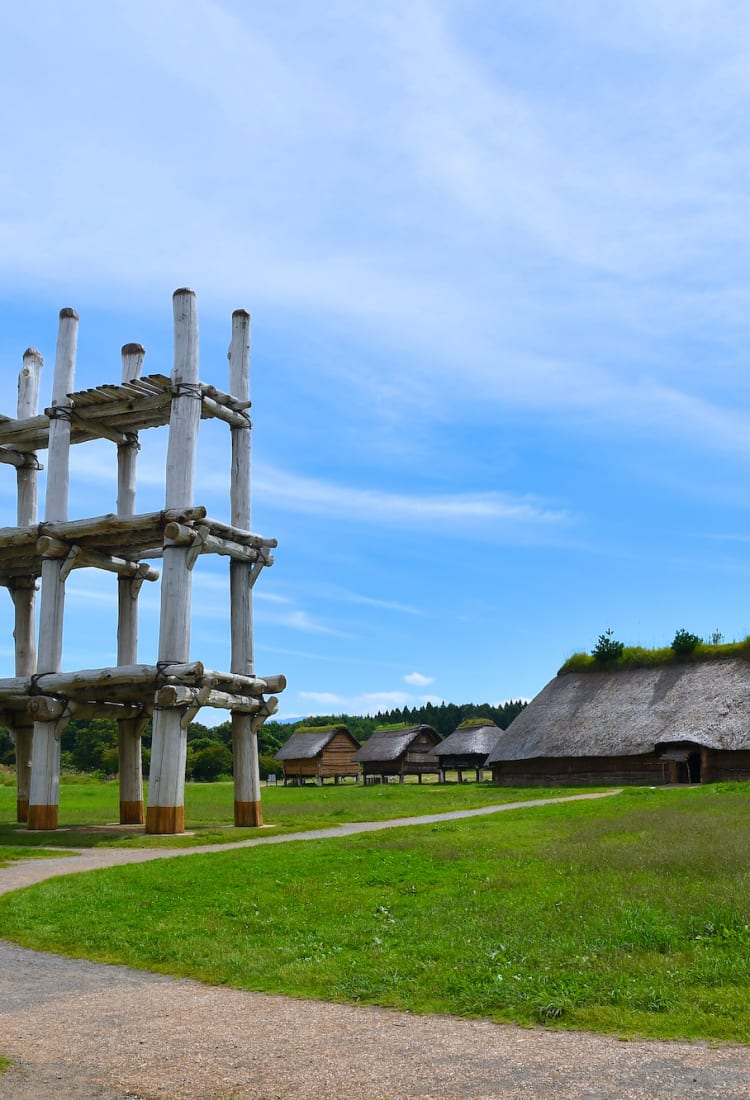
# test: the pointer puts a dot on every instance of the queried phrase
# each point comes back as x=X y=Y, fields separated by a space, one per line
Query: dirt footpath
x=78 y=1030
x=84 y=1031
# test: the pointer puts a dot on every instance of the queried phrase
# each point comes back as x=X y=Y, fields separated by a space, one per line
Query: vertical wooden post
x=24 y=590
x=247 y=802
x=45 y=759
x=166 y=809
x=131 y=772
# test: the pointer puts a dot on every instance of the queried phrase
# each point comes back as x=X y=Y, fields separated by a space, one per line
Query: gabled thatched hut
x=467 y=747
x=401 y=751
x=319 y=752
x=675 y=723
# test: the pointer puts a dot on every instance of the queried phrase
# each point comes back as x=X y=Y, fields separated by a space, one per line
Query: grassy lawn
x=629 y=914
x=209 y=809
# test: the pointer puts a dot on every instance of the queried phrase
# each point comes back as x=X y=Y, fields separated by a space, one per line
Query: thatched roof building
x=401 y=751
x=319 y=752
x=468 y=746
x=665 y=724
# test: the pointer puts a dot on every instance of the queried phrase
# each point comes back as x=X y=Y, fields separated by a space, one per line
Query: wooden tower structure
x=38 y=702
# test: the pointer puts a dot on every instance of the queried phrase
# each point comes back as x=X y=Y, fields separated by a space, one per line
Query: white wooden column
x=131 y=772
x=45 y=760
x=24 y=590
x=247 y=803
x=166 y=795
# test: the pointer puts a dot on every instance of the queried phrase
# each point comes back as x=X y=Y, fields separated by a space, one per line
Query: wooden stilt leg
x=166 y=798
x=45 y=760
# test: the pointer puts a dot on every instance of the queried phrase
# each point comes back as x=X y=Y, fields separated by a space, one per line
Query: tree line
x=90 y=744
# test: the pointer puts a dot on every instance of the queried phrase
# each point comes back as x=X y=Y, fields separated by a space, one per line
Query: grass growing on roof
x=636 y=656
x=629 y=914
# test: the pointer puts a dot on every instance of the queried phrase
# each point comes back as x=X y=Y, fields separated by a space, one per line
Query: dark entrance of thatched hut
x=683 y=762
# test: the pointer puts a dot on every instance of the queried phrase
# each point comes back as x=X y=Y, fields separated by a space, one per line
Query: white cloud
x=325 y=698
x=418 y=679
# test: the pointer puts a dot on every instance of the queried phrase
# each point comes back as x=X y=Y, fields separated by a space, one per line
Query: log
x=212 y=408
x=97 y=428
x=138 y=676
x=243 y=685
x=24 y=595
x=181 y=535
x=48 y=709
x=247 y=789
x=129 y=728
x=169 y=741
x=177 y=696
x=237 y=534
x=116 y=527
x=12 y=457
x=78 y=556
x=45 y=759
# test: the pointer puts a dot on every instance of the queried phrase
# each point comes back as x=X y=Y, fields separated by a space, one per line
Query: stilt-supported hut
x=467 y=748
x=401 y=751
x=319 y=753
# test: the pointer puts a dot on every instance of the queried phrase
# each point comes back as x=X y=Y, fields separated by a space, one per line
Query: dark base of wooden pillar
x=248 y=814
x=165 y=819
x=42 y=817
x=22 y=809
x=131 y=813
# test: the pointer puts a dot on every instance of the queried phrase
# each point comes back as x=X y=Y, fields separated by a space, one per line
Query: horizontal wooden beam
x=79 y=557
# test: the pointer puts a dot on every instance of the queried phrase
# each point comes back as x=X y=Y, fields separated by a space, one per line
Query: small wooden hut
x=401 y=751
x=674 y=723
x=467 y=748
x=319 y=752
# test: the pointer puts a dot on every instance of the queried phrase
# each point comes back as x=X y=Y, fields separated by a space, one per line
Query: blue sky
x=497 y=258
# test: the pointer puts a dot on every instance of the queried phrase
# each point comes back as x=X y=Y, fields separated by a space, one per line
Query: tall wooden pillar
x=24 y=590
x=247 y=803
x=129 y=738
x=45 y=759
x=166 y=797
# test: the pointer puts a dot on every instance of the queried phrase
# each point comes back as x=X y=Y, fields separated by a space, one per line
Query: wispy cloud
x=303 y=494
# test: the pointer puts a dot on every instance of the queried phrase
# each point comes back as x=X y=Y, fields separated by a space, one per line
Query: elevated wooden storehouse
x=401 y=751
x=467 y=748
x=675 y=723
x=319 y=752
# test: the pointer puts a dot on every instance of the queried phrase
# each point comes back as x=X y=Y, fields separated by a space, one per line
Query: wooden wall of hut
x=646 y=770
x=334 y=762
x=719 y=765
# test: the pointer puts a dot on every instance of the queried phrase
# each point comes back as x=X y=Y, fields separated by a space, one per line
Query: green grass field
x=629 y=914
x=209 y=810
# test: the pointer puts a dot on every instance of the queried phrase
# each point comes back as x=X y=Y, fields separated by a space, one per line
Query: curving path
x=77 y=1030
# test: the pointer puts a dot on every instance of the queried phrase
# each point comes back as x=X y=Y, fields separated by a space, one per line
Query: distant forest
x=444 y=717
x=90 y=745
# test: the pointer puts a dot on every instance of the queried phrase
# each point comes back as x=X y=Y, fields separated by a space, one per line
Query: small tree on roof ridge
x=684 y=641
x=607 y=648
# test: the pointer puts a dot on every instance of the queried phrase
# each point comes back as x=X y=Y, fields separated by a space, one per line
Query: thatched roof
x=390 y=744
x=630 y=711
x=306 y=744
x=470 y=740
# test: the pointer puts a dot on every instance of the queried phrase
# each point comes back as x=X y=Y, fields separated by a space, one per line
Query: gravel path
x=77 y=1030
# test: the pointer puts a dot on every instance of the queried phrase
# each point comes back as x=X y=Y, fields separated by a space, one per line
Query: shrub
x=607 y=648
x=684 y=641
x=211 y=762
